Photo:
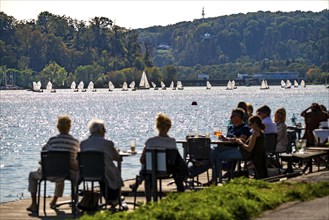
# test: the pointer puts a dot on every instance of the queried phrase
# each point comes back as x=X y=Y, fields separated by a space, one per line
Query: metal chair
x=55 y=165
x=91 y=169
x=199 y=156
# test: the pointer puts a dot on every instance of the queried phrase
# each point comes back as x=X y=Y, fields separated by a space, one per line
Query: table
x=298 y=130
x=307 y=156
x=213 y=142
x=123 y=154
x=321 y=135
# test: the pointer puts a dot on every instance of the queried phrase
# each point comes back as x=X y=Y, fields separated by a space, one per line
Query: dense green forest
x=61 y=49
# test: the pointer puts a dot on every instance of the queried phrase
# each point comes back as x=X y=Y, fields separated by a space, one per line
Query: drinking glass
x=133 y=145
x=217 y=132
x=298 y=144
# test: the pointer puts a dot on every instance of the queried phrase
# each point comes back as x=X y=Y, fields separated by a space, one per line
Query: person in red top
x=313 y=115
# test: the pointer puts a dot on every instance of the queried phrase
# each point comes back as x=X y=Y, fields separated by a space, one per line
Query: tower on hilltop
x=203 y=14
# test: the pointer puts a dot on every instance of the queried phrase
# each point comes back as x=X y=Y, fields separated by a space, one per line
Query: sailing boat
x=111 y=86
x=302 y=83
x=144 y=83
x=295 y=84
x=229 y=85
x=180 y=85
x=81 y=87
x=37 y=87
x=132 y=86
x=172 y=85
x=125 y=86
x=163 y=86
x=283 y=84
x=50 y=87
x=208 y=85
x=233 y=84
x=264 y=85
x=154 y=86
x=91 y=86
x=73 y=86
x=288 y=84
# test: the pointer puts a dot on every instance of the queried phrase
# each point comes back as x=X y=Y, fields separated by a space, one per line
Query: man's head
x=64 y=124
x=96 y=126
x=237 y=116
x=263 y=111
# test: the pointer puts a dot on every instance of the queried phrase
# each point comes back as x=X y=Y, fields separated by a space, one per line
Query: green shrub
x=242 y=198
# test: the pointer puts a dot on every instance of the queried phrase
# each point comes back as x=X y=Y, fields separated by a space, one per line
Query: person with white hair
x=97 y=142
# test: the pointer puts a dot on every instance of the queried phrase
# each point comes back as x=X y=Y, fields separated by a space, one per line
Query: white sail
x=125 y=86
x=264 y=85
x=233 y=84
x=208 y=85
x=38 y=87
x=81 y=86
x=288 y=84
x=302 y=83
x=73 y=85
x=295 y=83
x=111 y=86
x=163 y=86
x=144 y=84
x=283 y=84
x=91 y=85
x=49 y=86
x=153 y=85
x=172 y=85
x=132 y=85
x=34 y=86
x=229 y=85
x=180 y=85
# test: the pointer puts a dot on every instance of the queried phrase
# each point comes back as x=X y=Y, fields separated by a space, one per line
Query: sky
x=134 y=14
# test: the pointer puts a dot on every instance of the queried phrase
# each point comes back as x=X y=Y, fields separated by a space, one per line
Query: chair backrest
x=198 y=148
x=55 y=164
x=270 y=142
x=91 y=165
x=160 y=160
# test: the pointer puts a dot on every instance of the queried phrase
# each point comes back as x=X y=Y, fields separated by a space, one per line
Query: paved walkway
x=317 y=209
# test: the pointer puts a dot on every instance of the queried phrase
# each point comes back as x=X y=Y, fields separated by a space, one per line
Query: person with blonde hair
x=97 y=142
x=164 y=141
x=64 y=142
x=282 y=138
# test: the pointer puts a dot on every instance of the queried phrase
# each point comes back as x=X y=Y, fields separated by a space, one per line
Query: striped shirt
x=65 y=142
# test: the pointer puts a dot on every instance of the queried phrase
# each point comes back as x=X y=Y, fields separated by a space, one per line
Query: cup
x=217 y=132
x=298 y=145
x=133 y=145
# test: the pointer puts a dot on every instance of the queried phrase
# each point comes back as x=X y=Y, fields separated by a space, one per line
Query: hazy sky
x=141 y=14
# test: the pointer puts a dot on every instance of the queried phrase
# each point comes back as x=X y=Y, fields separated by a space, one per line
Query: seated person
x=313 y=115
x=253 y=149
x=97 y=142
x=264 y=113
x=237 y=129
x=163 y=124
x=64 y=142
x=282 y=138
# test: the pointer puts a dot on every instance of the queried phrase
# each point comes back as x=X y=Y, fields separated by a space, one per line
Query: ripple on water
x=28 y=119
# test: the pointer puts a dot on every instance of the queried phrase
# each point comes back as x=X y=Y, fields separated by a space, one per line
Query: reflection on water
x=28 y=119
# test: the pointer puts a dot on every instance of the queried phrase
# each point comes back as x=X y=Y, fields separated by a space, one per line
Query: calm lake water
x=28 y=119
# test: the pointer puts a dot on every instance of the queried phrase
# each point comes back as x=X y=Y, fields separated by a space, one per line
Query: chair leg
x=44 y=197
x=38 y=205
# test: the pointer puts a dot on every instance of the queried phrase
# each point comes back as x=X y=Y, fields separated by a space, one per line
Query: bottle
x=293 y=119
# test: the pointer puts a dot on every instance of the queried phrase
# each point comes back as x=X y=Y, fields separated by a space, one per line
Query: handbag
x=89 y=201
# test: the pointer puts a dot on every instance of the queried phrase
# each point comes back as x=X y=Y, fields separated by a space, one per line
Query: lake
x=28 y=119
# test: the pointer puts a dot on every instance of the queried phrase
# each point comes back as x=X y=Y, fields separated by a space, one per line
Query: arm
x=143 y=159
x=252 y=141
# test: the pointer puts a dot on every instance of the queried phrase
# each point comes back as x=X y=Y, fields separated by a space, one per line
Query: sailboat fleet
x=144 y=84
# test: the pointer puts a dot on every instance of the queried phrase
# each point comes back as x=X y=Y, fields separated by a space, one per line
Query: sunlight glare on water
x=28 y=120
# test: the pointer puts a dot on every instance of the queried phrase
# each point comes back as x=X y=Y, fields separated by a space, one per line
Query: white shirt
x=270 y=126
